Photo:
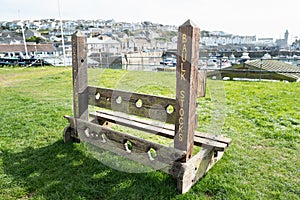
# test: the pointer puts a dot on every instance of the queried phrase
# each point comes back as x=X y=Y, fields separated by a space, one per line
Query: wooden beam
x=115 y=142
x=219 y=143
x=143 y=105
x=79 y=74
x=186 y=87
x=202 y=83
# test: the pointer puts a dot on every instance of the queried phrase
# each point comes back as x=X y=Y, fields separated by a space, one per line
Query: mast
x=62 y=33
x=23 y=34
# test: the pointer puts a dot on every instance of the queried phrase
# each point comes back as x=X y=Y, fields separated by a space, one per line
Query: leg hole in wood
x=152 y=154
x=107 y=124
x=87 y=132
x=128 y=146
x=119 y=100
x=139 y=103
x=82 y=60
x=215 y=154
x=97 y=96
x=96 y=136
x=170 y=109
x=103 y=137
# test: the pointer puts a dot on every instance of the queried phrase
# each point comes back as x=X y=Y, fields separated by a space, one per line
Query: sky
x=262 y=18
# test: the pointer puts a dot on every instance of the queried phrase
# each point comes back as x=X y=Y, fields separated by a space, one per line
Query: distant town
x=108 y=39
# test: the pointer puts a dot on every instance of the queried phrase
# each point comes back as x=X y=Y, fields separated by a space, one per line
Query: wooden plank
x=217 y=138
x=89 y=132
x=114 y=117
x=134 y=118
x=79 y=74
x=186 y=87
x=142 y=158
x=164 y=130
x=144 y=105
x=135 y=123
x=218 y=146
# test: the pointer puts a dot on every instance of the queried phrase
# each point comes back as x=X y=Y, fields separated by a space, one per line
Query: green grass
x=262 y=118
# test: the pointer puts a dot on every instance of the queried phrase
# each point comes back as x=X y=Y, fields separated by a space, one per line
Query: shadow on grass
x=64 y=171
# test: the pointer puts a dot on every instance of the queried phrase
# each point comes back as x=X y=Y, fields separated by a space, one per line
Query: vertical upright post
x=260 y=68
x=79 y=74
x=202 y=83
x=186 y=87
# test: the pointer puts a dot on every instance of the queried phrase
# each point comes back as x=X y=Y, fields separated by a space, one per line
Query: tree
x=128 y=32
x=35 y=39
x=204 y=33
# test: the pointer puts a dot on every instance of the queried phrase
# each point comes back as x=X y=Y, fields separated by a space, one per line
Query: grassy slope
x=262 y=118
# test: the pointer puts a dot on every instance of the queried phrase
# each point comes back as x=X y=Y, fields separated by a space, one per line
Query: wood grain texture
x=79 y=74
x=152 y=107
x=186 y=87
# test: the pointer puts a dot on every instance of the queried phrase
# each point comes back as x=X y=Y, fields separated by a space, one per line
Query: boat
x=225 y=62
x=212 y=62
x=245 y=57
x=266 y=56
x=5 y=61
x=171 y=62
x=232 y=60
x=18 y=59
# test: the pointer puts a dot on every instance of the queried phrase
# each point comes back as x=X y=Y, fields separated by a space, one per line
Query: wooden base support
x=194 y=169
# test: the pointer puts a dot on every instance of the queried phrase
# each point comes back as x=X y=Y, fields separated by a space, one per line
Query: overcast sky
x=263 y=18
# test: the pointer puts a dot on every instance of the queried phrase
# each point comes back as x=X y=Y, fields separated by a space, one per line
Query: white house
x=96 y=45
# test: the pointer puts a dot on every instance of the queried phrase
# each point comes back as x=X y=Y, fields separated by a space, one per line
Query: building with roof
x=260 y=69
x=103 y=44
x=32 y=49
x=283 y=43
x=32 y=33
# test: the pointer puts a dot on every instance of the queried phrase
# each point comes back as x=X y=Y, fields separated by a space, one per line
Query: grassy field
x=262 y=118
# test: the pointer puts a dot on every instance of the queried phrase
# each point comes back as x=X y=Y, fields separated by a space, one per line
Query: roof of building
x=30 y=48
x=278 y=67
x=261 y=69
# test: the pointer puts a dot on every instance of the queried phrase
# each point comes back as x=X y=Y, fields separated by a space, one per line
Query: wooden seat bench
x=218 y=142
x=175 y=119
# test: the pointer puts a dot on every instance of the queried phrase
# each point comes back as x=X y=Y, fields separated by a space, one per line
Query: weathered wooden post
x=186 y=87
x=80 y=78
